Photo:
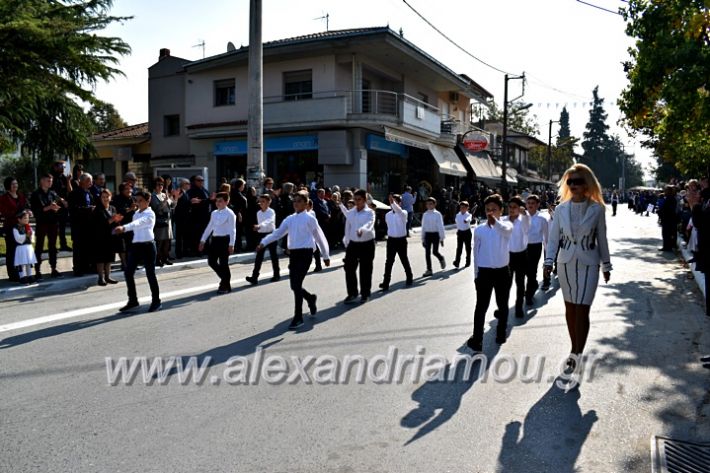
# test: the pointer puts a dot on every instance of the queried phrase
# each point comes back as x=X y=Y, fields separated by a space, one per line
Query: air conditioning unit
x=453 y=96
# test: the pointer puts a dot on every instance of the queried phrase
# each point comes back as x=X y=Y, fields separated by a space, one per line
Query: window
x=223 y=92
x=298 y=85
x=171 y=125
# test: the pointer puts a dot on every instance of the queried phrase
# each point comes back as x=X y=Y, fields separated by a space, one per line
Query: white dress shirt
x=463 y=221
x=539 y=229
x=266 y=220
x=303 y=233
x=142 y=226
x=433 y=222
x=362 y=221
x=519 y=237
x=490 y=245
x=396 y=221
x=223 y=222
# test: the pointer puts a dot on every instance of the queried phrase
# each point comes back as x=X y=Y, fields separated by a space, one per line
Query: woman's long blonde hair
x=594 y=190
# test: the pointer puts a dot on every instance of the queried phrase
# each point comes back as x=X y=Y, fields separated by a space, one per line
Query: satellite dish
x=230 y=47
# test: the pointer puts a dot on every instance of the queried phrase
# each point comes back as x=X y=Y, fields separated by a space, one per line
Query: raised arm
x=279 y=233
x=553 y=242
x=140 y=220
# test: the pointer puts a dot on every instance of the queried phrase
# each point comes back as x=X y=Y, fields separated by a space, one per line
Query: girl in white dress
x=579 y=231
x=25 y=257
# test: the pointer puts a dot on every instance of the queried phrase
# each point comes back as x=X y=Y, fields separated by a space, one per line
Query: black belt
x=220 y=236
x=142 y=242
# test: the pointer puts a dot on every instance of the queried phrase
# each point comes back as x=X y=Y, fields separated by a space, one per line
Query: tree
x=564 y=135
x=104 y=117
x=52 y=57
x=560 y=160
x=600 y=151
x=518 y=121
x=668 y=96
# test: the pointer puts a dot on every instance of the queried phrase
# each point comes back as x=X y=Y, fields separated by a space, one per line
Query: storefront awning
x=404 y=138
x=482 y=166
x=449 y=162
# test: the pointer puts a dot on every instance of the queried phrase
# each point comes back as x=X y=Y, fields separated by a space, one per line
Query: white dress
x=24 y=253
x=578 y=281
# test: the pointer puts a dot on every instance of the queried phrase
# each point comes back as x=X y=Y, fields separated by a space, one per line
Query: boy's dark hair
x=145 y=195
x=464 y=203
x=222 y=195
x=517 y=200
x=534 y=197
x=397 y=198
x=494 y=199
x=432 y=200
x=266 y=197
x=360 y=193
x=301 y=195
x=46 y=176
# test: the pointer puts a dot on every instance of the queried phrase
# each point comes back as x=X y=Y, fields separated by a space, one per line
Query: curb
x=697 y=275
x=72 y=282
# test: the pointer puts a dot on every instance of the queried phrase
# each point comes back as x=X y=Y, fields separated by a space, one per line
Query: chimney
x=164 y=52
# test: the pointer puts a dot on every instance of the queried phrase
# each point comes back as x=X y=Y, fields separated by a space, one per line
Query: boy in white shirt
x=433 y=234
x=396 y=241
x=518 y=246
x=537 y=241
x=223 y=227
x=463 y=234
x=490 y=265
x=303 y=234
x=360 y=252
x=266 y=224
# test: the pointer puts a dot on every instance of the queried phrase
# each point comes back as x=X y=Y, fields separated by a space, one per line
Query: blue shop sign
x=378 y=143
x=271 y=145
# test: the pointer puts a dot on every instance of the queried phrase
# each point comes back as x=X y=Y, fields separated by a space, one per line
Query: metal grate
x=676 y=456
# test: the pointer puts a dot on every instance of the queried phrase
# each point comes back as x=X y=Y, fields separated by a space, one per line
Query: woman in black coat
x=105 y=244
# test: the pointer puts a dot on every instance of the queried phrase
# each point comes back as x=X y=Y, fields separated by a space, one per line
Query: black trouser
x=299 y=261
x=534 y=254
x=10 y=245
x=260 y=256
x=360 y=253
x=614 y=205
x=62 y=217
x=463 y=239
x=218 y=259
x=182 y=238
x=518 y=270
x=81 y=246
x=431 y=245
x=49 y=231
x=670 y=235
x=317 y=258
x=396 y=247
x=143 y=252
x=487 y=281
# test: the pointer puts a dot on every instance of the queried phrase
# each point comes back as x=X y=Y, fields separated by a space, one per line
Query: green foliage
x=104 y=117
x=519 y=121
x=52 y=57
x=21 y=168
x=668 y=96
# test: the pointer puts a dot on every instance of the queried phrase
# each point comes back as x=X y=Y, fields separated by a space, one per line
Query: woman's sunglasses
x=578 y=181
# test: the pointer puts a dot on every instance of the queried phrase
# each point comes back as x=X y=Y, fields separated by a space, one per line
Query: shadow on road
x=552 y=436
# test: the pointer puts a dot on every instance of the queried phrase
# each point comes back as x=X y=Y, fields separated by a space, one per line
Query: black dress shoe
x=519 y=314
x=168 y=262
x=101 y=282
x=130 y=305
x=38 y=277
x=705 y=359
x=350 y=300
x=476 y=347
x=297 y=322
x=155 y=306
x=409 y=282
x=253 y=280
x=111 y=281
x=275 y=278
x=384 y=287
x=364 y=299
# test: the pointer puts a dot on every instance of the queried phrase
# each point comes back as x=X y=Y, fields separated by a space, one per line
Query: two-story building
x=360 y=107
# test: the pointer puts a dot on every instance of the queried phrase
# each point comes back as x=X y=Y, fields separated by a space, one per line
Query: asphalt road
x=60 y=413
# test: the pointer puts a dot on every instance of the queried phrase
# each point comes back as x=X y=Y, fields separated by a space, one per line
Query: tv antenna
x=325 y=17
x=201 y=44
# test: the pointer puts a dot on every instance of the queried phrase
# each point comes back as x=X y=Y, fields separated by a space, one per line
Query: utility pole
x=505 y=128
x=255 y=130
x=549 y=150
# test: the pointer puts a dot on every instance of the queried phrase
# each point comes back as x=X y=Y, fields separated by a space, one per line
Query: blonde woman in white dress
x=579 y=232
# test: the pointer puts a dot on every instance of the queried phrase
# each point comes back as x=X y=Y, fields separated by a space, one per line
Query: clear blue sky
x=560 y=44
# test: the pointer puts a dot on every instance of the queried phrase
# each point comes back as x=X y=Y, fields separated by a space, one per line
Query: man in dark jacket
x=668 y=213
x=701 y=222
x=200 y=210
x=46 y=205
x=61 y=184
x=238 y=201
x=81 y=206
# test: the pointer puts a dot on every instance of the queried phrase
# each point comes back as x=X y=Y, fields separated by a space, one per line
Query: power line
x=454 y=42
x=599 y=8
x=538 y=81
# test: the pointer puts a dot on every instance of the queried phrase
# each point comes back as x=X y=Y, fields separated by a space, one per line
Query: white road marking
x=117 y=305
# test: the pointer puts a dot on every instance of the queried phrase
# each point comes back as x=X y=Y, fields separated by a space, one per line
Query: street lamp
x=505 y=125
x=549 y=150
